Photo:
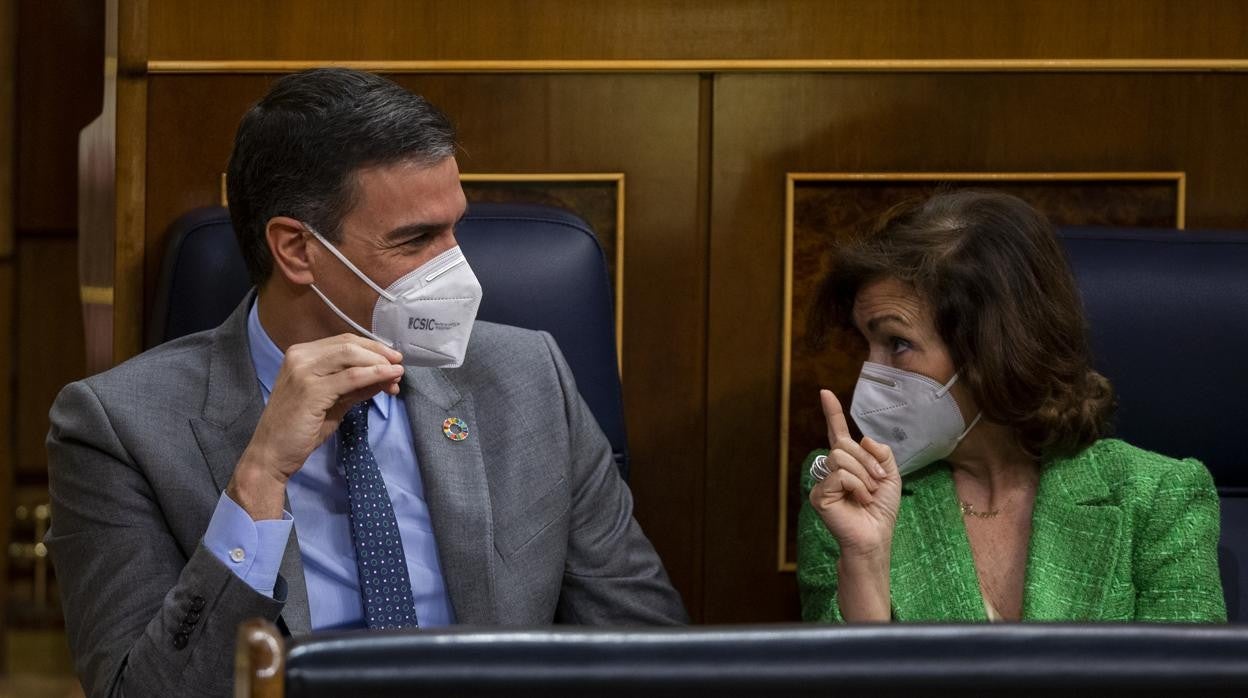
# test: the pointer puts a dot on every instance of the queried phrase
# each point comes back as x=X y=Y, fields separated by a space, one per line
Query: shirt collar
x=267 y=359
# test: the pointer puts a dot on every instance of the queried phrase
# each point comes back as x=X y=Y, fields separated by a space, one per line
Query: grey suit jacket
x=532 y=521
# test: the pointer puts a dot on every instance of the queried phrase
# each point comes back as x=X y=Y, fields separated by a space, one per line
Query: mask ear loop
x=946 y=387
x=944 y=390
x=973 y=423
x=343 y=316
x=355 y=270
x=349 y=321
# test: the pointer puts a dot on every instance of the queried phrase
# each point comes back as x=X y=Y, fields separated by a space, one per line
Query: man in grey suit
x=349 y=449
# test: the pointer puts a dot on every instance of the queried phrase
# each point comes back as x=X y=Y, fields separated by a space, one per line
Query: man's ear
x=288 y=243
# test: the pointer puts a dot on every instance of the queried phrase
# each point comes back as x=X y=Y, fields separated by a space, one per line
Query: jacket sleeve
x=817 y=557
x=1175 y=559
x=144 y=616
x=612 y=574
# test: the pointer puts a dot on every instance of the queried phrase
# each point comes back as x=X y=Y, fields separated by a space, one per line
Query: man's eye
x=898 y=344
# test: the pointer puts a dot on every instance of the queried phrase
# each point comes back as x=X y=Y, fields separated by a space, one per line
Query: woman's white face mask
x=426 y=314
x=914 y=415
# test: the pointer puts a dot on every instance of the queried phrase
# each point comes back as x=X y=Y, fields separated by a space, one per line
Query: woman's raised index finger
x=838 y=428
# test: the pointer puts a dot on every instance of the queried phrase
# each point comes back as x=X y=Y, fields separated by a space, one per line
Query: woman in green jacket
x=982 y=488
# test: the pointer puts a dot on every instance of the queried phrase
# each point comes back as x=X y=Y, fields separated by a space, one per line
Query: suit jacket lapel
x=1075 y=541
x=231 y=411
x=933 y=573
x=456 y=490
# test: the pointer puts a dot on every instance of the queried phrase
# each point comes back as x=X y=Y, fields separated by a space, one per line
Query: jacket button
x=197 y=603
x=179 y=640
x=192 y=617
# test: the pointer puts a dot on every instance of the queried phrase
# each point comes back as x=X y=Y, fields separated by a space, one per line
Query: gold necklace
x=968 y=509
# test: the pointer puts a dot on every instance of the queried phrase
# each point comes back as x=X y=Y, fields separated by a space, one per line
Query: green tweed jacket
x=1118 y=534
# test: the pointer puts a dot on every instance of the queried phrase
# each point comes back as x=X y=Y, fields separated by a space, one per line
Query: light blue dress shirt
x=318 y=498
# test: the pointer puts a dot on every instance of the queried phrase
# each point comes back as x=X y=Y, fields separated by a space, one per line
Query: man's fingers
x=389 y=353
x=339 y=356
x=338 y=372
x=350 y=400
x=358 y=378
x=838 y=428
x=845 y=461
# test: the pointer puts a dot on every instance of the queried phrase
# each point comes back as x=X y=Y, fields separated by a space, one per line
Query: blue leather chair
x=539 y=267
x=1168 y=312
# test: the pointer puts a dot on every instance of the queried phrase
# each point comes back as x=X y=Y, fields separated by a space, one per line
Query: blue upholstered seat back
x=1168 y=312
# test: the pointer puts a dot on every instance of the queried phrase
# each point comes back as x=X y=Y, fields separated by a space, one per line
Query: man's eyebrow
x=414 y=230
x=878 y=320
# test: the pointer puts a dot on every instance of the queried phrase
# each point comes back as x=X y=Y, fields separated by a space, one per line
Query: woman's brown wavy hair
x=1004 y=301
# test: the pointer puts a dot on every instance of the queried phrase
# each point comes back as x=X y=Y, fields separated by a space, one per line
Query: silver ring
x=819 y=468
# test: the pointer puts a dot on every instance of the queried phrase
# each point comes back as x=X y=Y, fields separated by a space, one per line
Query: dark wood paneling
x=538 y=124
x=8 y=123
x=597 y=202
x=7 y=440
x=7 y=346
x=768 y=125
x=49 y=341
x=696 y=29
x=8 y=118
x=60 y=77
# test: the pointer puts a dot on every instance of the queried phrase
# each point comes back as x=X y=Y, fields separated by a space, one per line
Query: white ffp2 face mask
x=427 y=314
x=912 y=414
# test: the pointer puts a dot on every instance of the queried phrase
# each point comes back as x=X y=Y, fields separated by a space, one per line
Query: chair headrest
x=1168 y=313
x=542 y=268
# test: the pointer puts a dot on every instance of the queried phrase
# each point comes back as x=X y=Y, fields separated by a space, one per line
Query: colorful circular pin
x=455 y=429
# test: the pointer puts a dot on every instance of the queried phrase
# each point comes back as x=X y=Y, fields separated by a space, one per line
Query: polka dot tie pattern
x=384 y=584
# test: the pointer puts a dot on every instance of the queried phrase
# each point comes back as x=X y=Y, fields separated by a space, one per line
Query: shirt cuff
x=251 y=549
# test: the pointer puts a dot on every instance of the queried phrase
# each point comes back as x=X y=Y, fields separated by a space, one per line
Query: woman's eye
x=898 y=344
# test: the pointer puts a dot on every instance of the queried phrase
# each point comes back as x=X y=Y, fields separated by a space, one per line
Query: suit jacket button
x=179 y=640
x=197 y=603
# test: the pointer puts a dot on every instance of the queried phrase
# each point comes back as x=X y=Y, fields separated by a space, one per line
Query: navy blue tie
x=384 y=584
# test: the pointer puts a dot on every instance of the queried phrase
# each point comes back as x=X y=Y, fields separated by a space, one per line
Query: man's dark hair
x=298 y=149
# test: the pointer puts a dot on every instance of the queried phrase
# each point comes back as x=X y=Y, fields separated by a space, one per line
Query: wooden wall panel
x=7 y=327
x=61 y=58
x=696 y=29
x=8 y=120
x=51 y=71
x=769 y=125
x=49 y=342
x=538 y=124
x=8 y=125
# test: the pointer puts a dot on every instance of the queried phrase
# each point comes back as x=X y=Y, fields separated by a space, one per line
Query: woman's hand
x=858 y=502
x=858 y=499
